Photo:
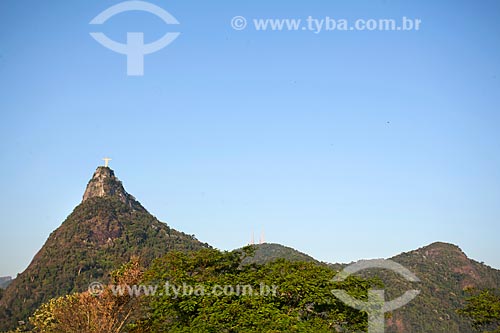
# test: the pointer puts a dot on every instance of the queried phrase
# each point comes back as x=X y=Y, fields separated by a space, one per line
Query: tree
x=88 y=313
x=484 y=310
x=210 y=291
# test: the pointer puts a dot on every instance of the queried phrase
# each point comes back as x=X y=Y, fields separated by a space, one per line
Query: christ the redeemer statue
x=106 y=161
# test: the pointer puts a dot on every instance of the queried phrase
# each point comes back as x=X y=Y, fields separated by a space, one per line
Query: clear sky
x=342 y=144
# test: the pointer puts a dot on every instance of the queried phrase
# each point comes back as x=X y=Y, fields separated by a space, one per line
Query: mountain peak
x=443 y=250
x=104 y=183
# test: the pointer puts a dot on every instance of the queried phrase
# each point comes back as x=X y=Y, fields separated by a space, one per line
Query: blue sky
x=342 y=144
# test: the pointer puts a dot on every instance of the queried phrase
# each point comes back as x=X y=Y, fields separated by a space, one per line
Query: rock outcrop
x=105 y=184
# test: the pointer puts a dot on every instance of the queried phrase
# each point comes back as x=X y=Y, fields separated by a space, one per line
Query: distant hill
x=104 y=231
x=268 y=252
x=5 y=281
x=445 y=272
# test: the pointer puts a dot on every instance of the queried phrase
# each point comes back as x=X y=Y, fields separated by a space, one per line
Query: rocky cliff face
x=105 y=184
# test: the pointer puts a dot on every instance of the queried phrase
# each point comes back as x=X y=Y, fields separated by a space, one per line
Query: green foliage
x=302 y=302
x=483 y=309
